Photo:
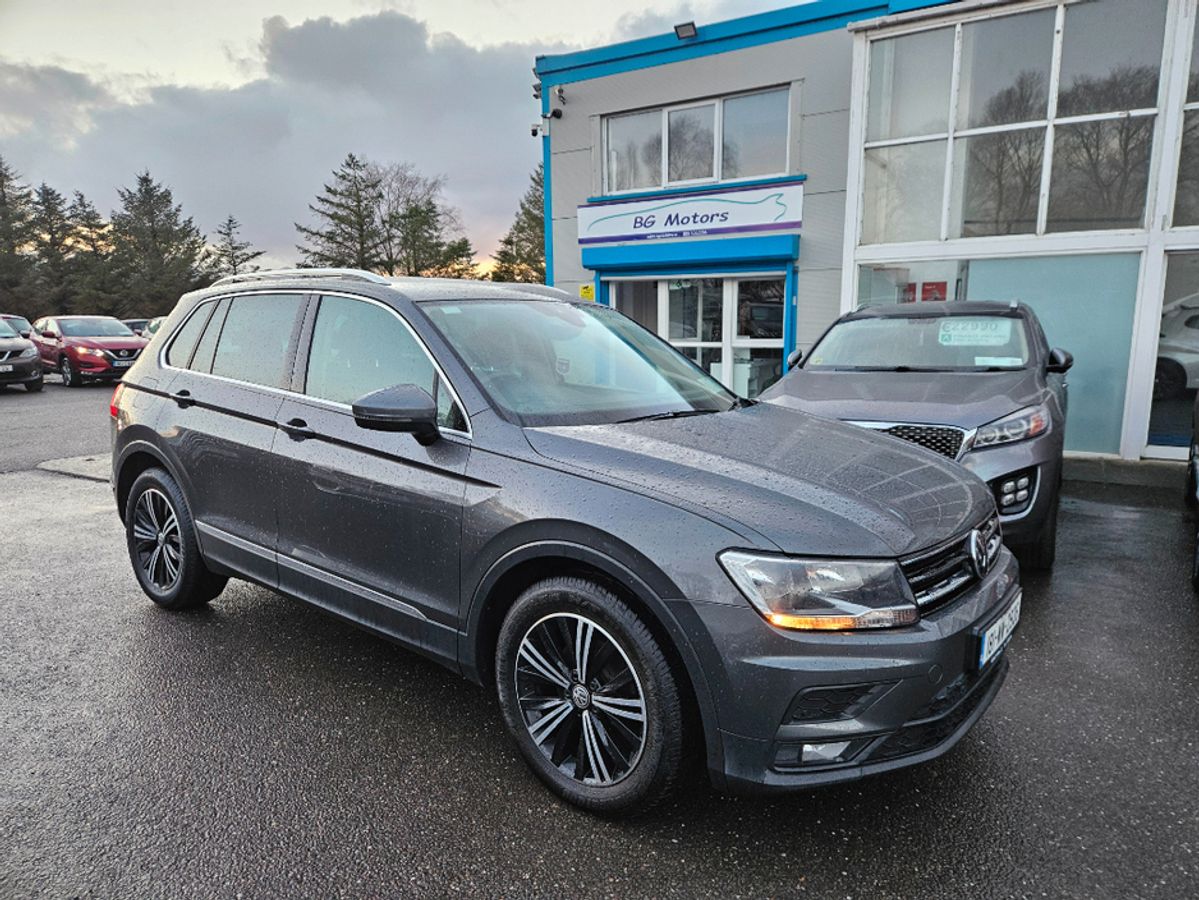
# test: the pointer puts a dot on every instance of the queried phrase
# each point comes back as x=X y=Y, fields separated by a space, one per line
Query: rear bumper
x=895 y=698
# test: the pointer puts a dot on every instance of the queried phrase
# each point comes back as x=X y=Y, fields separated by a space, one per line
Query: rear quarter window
x=183 y=346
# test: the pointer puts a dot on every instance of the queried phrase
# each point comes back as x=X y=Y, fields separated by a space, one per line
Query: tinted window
x=202 y=361
x=360 y=347
x=255 y=338
x=188 y=336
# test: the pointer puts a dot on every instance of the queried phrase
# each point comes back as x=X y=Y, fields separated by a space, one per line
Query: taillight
x=114 y=405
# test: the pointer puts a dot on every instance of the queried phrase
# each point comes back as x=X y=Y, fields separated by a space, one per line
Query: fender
x=468 y=640
x=141 y=445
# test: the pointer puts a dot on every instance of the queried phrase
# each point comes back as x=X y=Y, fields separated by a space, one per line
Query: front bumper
x=98 y=368
x=1043 y=456
x=897 y=697
x=23 y=371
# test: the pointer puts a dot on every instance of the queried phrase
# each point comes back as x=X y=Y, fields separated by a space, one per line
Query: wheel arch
x=524 y=566
x=137 y=457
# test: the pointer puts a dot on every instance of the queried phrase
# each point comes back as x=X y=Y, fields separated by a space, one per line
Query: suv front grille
x=943 y=439
x=124 y=354
x=5 y=354
x=939 y=575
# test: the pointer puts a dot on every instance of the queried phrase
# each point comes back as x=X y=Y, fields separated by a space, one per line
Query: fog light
x=1021 y=496
x=1008 y=487
x=1022 y=483
x=1007 y=499
x=814 y=754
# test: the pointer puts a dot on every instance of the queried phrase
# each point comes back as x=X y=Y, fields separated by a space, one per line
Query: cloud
x=380 y=85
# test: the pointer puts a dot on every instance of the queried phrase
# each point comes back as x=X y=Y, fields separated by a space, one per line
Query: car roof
x=938 y=310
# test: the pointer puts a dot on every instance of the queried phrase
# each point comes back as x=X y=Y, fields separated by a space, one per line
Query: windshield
x=924 y=344
x=551 y=363
x=17 y=324
x=97 y=327
x=6 y=330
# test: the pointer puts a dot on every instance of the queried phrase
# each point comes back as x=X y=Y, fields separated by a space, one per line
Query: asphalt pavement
x=261 y=749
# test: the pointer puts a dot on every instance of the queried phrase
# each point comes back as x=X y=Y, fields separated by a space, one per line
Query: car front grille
x=943 y=439
x=939 y=575
x=9 y=354
x=123 y=354
x=833 y=702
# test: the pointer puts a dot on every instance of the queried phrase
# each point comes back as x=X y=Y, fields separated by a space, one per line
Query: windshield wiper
x=673 y=414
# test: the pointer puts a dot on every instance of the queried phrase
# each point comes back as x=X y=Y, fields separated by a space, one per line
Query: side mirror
x=403 y=407
x=49 y=335
x=794 y=357
x=1060 y=361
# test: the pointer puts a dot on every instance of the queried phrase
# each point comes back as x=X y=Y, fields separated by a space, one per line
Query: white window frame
x=718 y=142
x=1048 y=124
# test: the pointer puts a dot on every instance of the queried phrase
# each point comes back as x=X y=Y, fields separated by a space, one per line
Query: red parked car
x=86 y=348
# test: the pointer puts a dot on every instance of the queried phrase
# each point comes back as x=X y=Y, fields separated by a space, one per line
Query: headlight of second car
x=1020 y=425
x=822 y=594
x=28 y=353
x=89 y=351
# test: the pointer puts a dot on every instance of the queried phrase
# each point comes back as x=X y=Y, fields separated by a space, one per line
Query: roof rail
x=274 y=274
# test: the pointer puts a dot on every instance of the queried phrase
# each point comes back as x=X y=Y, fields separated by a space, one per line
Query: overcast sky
x=246 y=106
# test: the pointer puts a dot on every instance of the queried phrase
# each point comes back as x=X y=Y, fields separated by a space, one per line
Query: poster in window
x=933 y=291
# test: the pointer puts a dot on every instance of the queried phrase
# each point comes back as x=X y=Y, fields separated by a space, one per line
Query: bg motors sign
x=777 y=207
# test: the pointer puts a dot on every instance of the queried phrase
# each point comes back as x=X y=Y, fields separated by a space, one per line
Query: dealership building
x=736 y=186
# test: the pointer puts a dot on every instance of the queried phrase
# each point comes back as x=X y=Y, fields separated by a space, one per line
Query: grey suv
x=544 y=496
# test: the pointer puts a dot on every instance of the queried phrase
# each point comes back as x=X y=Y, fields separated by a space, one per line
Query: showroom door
x=730 y=327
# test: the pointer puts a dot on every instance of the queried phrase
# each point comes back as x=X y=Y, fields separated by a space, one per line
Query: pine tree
x=231 y=256
x=521 y=255
x=16 y=262
x=51 y=238
x=93 y=279
x=158 y=253
x=348 y=232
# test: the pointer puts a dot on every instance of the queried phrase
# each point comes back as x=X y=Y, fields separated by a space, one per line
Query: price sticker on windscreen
x=981 y=332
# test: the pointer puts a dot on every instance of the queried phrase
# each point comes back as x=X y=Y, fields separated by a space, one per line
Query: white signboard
x=771 y=208
x=971 y=332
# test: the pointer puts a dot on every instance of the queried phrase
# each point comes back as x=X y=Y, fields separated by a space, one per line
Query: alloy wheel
x=157 y=540
x=581 y=700
x=68 y=374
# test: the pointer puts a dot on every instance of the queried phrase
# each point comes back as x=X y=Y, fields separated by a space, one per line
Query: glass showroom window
x=1186 y=200
x=1024 y=123
x=678 y=145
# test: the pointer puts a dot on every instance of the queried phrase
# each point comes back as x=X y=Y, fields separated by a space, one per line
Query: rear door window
x=256 y=338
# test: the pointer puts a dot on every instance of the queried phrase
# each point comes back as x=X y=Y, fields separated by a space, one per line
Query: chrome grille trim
x=943 y=572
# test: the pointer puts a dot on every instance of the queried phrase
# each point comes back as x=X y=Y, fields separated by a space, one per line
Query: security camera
x=555 y=113
x=560 y=94
x=535 y=129
x=536 y=90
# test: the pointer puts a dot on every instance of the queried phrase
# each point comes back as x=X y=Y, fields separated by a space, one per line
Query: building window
x=966 y=135
x=678 y=145
x=1098 y=289
x=1186 y=200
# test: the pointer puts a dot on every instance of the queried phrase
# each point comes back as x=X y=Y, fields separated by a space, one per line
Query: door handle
x=183 y=398
x=297 y=430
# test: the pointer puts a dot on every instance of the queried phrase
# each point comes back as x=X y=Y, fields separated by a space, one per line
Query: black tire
x=70 y=377
x=176 y=578
x=1169 y=380
x=34 y=386
x=615 y=640
x=1040 y=553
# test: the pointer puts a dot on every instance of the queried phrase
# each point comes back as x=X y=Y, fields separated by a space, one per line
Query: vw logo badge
x=977 y=547
x=580 y=696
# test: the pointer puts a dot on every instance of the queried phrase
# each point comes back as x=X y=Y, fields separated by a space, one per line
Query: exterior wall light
x=686 y=31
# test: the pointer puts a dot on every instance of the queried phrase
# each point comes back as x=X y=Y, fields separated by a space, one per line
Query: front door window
x=731 y=328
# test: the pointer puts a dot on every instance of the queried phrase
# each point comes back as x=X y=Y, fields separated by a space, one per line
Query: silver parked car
x=973 y=381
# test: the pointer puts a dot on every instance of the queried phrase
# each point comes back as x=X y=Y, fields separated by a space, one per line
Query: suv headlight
x=88 y=351
x=28 y=353
x=822 y=594
x=1020 y=425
